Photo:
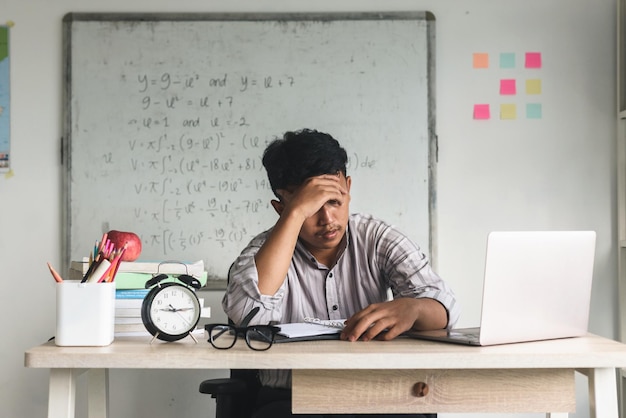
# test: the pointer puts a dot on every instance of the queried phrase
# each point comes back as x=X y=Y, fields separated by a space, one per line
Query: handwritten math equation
x=190 y=162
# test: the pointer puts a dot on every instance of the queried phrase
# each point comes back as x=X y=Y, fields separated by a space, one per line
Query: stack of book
x=130 y=282
x=128 y=311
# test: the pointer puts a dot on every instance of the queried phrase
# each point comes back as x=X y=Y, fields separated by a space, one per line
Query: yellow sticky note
x=533 y=86
x=481 y=60
x=508 y=111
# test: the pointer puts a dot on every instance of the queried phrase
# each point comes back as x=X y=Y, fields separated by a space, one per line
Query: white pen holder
x=85 y=313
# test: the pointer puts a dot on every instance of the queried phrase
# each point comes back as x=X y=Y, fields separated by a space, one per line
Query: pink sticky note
x=507 y=86
x=481 y=111
x=533 y=60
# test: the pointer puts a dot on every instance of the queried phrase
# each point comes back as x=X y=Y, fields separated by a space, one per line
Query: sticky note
x=533 y=60
x=481 y=60
x=481 y=111
x=533 y=111
x=533 y=86
x=508 y=111
x=507 y=86
x=507 y=60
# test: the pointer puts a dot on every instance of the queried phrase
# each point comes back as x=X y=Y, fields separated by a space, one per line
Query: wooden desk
x=367 y=376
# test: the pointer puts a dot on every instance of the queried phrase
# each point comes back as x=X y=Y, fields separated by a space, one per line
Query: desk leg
x=62 y=393
x=98 y=393
x=602 y=393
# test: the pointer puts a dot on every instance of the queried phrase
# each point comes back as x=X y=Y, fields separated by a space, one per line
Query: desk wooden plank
x=388 y=365
x=137 y=353
x=392 y=391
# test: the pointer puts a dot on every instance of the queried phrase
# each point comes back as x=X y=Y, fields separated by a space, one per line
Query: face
x=324 y=231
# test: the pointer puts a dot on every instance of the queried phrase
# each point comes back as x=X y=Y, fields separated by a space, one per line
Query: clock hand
x=183 y=318
x=173 y=309
x=170 y=309
x=177 y=311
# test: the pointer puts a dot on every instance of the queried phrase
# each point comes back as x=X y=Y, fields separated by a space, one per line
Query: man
x=321 y=261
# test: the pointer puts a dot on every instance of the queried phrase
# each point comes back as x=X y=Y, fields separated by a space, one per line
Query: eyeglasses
x=258 y=337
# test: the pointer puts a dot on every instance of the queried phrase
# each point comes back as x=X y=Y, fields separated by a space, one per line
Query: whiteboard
x=166 y=118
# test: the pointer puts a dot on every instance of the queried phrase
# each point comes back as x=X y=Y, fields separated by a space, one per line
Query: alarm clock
x=170 y=311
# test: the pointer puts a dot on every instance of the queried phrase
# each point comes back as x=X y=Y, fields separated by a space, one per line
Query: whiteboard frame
x=66 y=139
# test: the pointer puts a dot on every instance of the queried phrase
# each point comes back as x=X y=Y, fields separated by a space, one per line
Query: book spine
x=123 y=320
x=128 y=304
x=127 y=312
x=131 y=293
x=195 y=269
x=129 y=327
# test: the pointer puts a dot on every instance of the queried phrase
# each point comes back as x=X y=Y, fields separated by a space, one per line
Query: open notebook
x=311 y=329
x=537 y=286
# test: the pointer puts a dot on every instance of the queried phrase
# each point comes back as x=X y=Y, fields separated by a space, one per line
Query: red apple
x=130 y=239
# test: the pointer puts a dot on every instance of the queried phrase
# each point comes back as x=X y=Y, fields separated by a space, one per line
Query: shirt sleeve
x=410 y=273
x=242 y=293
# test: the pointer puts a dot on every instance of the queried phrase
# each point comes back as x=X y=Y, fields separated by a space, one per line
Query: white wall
x=554 y=173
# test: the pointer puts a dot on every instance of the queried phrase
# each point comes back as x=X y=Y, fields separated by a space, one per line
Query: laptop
x=537 y=286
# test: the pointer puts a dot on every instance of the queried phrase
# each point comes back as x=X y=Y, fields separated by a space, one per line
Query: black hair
x=300 y=155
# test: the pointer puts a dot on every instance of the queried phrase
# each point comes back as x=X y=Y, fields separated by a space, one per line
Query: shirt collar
x=345 y=242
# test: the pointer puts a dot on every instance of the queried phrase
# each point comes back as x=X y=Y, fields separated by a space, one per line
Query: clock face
x=171 y=310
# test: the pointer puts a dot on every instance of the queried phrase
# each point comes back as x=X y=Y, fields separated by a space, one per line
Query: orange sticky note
x=481 y=111
x=533 y=60
x=481 y=60
x=508 y=86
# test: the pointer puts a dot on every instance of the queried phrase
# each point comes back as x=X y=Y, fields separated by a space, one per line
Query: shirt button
x=335 y=307
x=330 y=275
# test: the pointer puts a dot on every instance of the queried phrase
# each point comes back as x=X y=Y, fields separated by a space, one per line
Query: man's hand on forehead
x=329 y=180
x=314 y=193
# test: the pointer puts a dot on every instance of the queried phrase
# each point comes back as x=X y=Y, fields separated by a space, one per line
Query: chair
x=235 y=396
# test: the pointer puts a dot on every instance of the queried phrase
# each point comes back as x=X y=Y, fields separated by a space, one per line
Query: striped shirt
x=376 y=257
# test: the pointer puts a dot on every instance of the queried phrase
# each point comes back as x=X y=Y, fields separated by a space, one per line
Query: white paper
x=303 y=329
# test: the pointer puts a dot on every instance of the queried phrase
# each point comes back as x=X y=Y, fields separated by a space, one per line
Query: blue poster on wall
x=4 y=100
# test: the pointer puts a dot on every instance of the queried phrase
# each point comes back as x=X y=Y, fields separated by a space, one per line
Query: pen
x=103 y=241
x=119 y=261
x=56 y=275
x=114 y=265
x=99 y=271
x=90 y=269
